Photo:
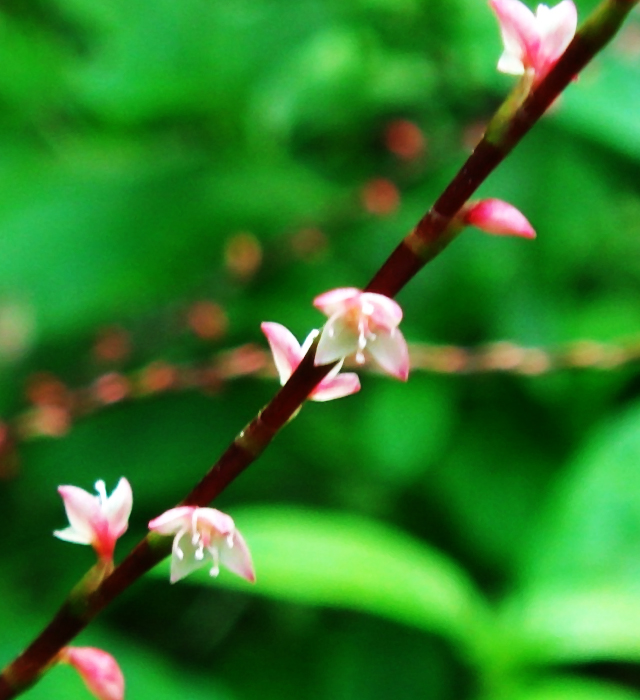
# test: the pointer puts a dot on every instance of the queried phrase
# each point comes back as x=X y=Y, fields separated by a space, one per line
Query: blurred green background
x=456 y=537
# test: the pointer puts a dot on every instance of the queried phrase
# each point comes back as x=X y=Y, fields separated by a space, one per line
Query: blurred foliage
x=457 y=537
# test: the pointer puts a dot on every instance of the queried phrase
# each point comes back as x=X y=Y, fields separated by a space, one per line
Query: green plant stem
x=431 y=235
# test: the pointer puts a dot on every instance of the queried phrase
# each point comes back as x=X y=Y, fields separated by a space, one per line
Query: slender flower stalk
x=428 y=238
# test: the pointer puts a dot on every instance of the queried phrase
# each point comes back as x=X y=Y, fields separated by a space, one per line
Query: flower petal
x=390 y=351
x=70 y=534
x=335 y=300
x=386 y=312
x=285 y=349
x=83 y=511
x=557 y=27
x=497 y=217
x=118 y=507
x=237 y=558
x=519 y=35
x=99 y=671
x=336 y=341
x=173 y=520
x=216 y=519
x=188 y=562
x=336 y=387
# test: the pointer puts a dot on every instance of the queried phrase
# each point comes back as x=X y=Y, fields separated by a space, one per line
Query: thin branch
x=429 y=238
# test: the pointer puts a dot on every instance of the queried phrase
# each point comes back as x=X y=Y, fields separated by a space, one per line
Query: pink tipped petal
x=237 y=558
x=498 y=218
x=386 y=312
x=70 y=534
x=286 y=351
x=519 y=34
x=118 y=508
x=338 y=340
x=99 y=671
x=172 y=520
x=331 y=302
x=337 y=387
x=216 y=520
x=557 y=28
x=83 y=511
x=390 y=351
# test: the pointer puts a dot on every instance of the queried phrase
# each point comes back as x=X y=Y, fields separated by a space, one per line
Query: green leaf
x=581 y=595
x=560 y=688
x=591 y=528
x=578 y=624
x=345 y=561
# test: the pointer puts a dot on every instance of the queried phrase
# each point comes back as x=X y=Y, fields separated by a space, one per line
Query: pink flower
x=96 y=520
x=99 y=671
x=287 y=355
x=496 y=217
x=202 y=535
x=534 y=43
x=358 y=321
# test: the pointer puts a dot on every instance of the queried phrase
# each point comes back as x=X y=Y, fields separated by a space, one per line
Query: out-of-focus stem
x=431 y=235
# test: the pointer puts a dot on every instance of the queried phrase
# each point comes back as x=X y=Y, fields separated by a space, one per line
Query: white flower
x=358 y=321
x=203 y=536
x=287 y=355
x=96 y=520
x=534 y=43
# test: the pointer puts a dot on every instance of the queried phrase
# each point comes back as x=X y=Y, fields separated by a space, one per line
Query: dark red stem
x=429 y=237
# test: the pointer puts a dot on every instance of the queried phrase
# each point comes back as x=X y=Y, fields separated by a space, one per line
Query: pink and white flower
x=287 y=355
x=360 y=321
x=202 y=536
x=96 y=520
x=534 y=43
x=99 y=671
x=496 y=217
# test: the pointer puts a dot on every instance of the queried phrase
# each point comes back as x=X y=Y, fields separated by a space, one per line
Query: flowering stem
x=505 y=130
x=431 y=235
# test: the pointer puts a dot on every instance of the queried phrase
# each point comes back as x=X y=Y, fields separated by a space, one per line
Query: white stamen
x=215 y=569
x=101 y=488
x=230 y=540
x=176 y=546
